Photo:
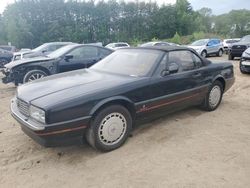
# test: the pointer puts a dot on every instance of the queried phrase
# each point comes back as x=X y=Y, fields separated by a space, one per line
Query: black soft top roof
x=173 y=48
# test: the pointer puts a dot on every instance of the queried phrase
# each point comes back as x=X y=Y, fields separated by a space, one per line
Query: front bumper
x=49 y=135
x=236 y=52
x=245 y=65
x=8 y=77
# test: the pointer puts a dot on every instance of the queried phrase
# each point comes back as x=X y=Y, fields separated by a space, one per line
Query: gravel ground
x=191 y=149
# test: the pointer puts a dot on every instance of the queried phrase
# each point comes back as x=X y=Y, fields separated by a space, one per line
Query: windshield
x=40 y=48
x=61 y=51
x=245 y=39
x=110 y=45
x=147 y=44
x=131 y=62
x=200 y=42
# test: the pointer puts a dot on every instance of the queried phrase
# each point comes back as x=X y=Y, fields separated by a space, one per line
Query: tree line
x=29 y=23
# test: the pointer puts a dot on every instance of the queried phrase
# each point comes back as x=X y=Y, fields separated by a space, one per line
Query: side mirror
x=209 y=44
x=44 y=51
x=172 y=68
x=68 y=56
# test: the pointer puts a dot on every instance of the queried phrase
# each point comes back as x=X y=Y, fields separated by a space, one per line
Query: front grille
x=23 y=107
x=239 y=47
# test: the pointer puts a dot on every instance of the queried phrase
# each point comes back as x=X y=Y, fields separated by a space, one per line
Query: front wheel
x=33 y=75
x=204 y=54
x=230 y=56
x=110 y=128
x=242 y=71
x=213 y=97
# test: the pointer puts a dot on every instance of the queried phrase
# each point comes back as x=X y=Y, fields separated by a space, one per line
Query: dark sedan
x=245 y=62
x=103 y=103
x=67 y=58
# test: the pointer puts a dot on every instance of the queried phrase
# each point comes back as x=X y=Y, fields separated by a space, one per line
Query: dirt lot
x=191 y=149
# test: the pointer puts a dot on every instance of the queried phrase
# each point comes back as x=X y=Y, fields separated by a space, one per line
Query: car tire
x=110 y=128
x=220 y=53
x=204 y=54
x=213 y=97
x=242 y=71
x=230 y=56
x=34 y=75
x=3 y=62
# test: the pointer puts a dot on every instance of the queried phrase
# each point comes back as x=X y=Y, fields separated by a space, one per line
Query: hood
x=13 y=64
x=246 y=53
x=195 y=47
x=65 y=86
x=241 y=43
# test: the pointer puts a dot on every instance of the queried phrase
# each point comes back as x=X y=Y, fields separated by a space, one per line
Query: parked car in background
x=95 y=43
x=239 y=47
x=245 y=61
x=5 y=57
x=206 y=47
x=158 y=43
x=67 y=58
x=8 y=48
x=118 y=45
x=42 y=50
x=103 y=103
x=227 y=44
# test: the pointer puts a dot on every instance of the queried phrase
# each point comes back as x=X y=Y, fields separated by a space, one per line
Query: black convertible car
x=104 y=102
x=67 y=58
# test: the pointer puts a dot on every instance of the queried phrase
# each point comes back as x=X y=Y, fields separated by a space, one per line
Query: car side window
x=104 y=52
x=184 y=59
x=210 y=43
x=197 y=61
x=85 y=52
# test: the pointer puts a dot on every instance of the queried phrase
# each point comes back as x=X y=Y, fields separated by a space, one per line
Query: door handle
x=196 y=75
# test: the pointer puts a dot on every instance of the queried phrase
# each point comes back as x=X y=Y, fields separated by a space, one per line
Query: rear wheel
x=34 y=75
x=110 y=128
x=213 y=97
x=220 y=53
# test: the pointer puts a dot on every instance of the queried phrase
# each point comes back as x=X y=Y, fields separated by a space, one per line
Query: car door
x=210 y=47
x=78 y=58
x=180 y=86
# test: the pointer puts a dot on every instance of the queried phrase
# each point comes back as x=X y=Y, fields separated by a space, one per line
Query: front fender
x=219 y=76
x=108 y=100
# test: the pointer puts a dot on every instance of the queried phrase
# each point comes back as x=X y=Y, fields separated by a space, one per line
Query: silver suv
x=206 y=47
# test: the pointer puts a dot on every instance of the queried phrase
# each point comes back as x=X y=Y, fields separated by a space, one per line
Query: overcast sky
x=218 y=6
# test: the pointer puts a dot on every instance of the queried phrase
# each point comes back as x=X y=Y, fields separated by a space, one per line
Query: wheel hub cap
x=35 y=77
x=112 y=128
x=214 y=96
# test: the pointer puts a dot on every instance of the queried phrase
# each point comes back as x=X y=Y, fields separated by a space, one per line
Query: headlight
x=37 y=114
